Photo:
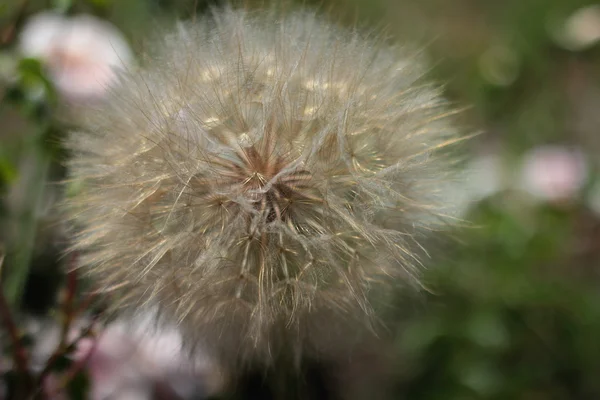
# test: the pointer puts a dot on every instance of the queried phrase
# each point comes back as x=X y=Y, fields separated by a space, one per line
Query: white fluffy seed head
x=262 y=180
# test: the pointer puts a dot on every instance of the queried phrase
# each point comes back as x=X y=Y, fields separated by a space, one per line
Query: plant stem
x=19 y=353
x=26 y=199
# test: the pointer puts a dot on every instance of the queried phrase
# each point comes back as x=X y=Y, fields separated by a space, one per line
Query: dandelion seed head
x=263 y=179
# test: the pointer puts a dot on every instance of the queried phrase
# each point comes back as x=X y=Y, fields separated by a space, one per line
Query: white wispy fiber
x=265 y=179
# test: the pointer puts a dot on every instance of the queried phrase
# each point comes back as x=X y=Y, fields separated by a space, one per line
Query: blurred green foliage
x=514 y=308
x=516 y=313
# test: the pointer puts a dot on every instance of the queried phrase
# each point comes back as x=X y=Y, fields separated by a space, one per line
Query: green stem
x=26 y=199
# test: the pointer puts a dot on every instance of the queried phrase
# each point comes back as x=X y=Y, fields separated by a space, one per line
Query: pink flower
x=581 y=30
x=81 y=54
x=130 y=358
x=553 y=173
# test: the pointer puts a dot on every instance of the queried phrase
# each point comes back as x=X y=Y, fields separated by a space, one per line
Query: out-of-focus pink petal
x=80 y=53
x=553 y=173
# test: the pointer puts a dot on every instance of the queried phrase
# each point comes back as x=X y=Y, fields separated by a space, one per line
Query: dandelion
x=265 y=180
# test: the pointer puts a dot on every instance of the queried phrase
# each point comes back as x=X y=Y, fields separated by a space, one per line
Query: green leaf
x=30 y=66
x=8 y=172
x=62 y=5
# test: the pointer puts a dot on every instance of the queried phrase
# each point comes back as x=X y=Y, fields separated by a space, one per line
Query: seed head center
x=271 y=195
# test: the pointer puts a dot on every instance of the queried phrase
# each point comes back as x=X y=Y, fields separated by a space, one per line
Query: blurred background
x=511 y=308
